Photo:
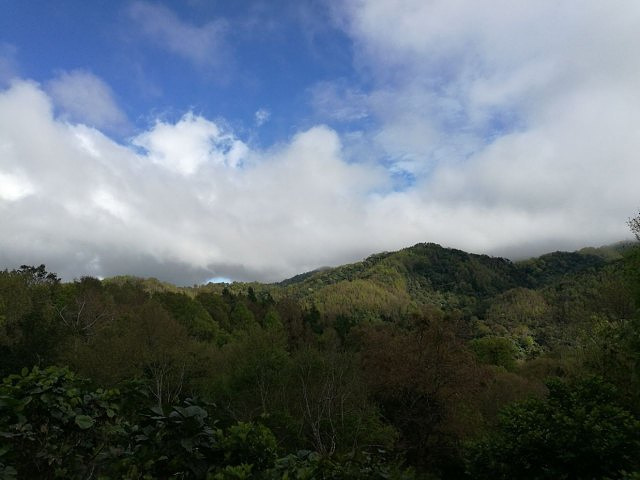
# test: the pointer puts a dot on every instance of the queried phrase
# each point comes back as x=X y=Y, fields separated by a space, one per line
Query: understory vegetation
x=427 y=363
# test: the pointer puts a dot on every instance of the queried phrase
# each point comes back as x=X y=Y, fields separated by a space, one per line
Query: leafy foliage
x=53 y=427
x=498 y=351
x=579 y=431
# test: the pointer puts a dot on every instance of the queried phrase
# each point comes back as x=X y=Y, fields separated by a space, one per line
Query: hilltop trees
x=634 y=225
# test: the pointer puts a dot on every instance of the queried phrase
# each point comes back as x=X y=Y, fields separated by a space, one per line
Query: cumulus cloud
x=83 y=97
x=524 y=108
x=186 y=145
x=85 y=204
x=204 y=45
x=466 y=73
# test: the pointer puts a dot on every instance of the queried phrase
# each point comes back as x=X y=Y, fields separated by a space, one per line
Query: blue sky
x=254 y=140
x=262 y=56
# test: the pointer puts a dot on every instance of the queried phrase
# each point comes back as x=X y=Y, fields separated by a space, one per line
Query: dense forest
x=426 y=363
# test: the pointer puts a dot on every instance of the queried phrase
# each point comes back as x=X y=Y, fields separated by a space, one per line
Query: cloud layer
x=83 y=97
x=508 y=128
x=187 y=199
x=204 y=45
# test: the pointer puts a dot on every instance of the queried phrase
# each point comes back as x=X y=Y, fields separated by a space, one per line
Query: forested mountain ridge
x=429 y=264
x=485 y=290
x=424 y=363
x=422 y=267
x=451 y=270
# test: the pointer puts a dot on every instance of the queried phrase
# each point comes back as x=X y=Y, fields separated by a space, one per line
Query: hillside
x=428 y=274
x=449 y=270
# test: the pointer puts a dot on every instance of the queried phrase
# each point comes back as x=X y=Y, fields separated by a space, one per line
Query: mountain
x=450 y=270
x=392 y=285
x=395 y=283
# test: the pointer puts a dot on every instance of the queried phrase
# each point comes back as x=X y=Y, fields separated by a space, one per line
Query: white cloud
x=524 y=108
x=262 y=116
x=337 y=101
x=464 y=72
x=203 y=45
x=102 y=208
x=107 y=201
x=185 y=146
x=13 y=187
x=518 y=121
x=84 y=97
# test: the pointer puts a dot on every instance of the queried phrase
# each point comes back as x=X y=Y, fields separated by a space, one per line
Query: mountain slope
x=432 y=267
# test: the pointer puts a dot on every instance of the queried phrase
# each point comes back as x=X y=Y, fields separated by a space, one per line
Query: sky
x=254 y=140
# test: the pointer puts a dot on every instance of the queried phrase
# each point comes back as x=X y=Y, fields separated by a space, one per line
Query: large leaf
x=84 y=421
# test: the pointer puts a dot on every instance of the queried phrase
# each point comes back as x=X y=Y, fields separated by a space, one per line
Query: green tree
x=145 y=343
x=579 y=431
x=53 y=426
x=242 y=319
x=425 y=381
x=192 y=315
x=217 y=307
x=83 y=308
x=498 y=351
x=250 y=374
x=30 y=331
x=328 y=398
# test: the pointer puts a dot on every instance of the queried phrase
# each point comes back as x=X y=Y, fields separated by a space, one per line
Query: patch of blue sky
x=501 y=122
x=219 y=280
x=402 y=180
x=271 y=55
x=403 y=172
